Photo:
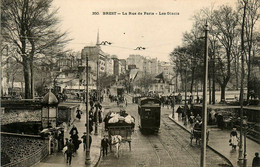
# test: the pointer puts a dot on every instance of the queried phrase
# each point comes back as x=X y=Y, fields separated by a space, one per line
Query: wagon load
x=119 y=119
x=120 y=124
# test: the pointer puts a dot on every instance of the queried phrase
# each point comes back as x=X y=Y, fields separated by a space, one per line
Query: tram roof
x=145 y=100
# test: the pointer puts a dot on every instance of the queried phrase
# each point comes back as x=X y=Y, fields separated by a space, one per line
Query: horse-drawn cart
x=120 y=127
x=124 y=131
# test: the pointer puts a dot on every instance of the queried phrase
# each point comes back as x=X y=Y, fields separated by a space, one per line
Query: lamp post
x=97 y=102
x=245 y=132
x=204 y=121
x=87 y=114
x=185 y=102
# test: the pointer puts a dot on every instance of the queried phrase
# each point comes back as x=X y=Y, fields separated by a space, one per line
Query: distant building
x=160 y=85
x=116 y=66
x=109 y=65
x=167 y=69
x=123 y=66
x=136 y=60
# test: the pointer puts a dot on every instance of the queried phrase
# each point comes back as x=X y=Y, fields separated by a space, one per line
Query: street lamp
x=97 y=102
x=185 y=102
x=140 y=48
x=87 y=114
x=245 y=132
x=204 y=121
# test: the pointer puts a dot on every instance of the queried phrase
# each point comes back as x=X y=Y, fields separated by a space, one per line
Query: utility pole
x=241 y=100
x=213 y=75
x=185 y=103
x=204 y=121
x=97 y=104
x=87 y=114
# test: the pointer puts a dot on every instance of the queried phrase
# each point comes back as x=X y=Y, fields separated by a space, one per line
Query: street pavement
x=219 y=141
x=217 y=136
x=169 y=148
x=78 y=160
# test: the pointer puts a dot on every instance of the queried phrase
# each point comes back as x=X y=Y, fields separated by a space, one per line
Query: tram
x=149 y=110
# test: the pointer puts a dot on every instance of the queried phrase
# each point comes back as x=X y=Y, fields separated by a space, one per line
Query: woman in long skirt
x=233 y=138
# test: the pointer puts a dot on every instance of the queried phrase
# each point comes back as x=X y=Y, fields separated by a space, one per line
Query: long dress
x=234 y=140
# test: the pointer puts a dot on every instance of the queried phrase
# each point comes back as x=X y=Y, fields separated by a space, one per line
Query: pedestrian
x=104 y=145
x=60 y=139
x=233 y=138
x=79 y=112
x=74 y=136
x=74 y=130
x=179 y=111
x=84 y=137
x=69 y=151
x=66 y=142
x=256 y=160
x=198 y=118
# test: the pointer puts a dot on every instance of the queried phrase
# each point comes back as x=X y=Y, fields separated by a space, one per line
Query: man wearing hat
x=104 y=145
x=256 y=160
x=84 y=137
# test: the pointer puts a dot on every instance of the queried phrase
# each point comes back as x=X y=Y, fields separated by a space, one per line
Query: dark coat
x=104 y=142
x=70 y=148
x=256 y=162
x=72 y=129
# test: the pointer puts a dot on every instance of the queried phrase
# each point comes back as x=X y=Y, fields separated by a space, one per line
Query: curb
x=98 y=161
x=230 y=163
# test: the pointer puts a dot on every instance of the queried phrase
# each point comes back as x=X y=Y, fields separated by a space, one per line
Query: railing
x=30 y=159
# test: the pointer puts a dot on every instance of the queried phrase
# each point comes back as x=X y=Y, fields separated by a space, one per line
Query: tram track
x=161 y=151
x=169 y=148
x=174 y=132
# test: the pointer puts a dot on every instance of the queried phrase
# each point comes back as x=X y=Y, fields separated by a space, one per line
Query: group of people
x=72 y=144
x=188 y=114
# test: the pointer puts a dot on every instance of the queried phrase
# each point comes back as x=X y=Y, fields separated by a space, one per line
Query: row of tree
x=30 y=30
x=232 y=33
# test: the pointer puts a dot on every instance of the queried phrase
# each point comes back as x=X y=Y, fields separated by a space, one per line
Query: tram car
x=149 y=110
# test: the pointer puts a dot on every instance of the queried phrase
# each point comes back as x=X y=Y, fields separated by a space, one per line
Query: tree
x=249 y=20
x=225 y=22
x=145 y=81
x=31 y=27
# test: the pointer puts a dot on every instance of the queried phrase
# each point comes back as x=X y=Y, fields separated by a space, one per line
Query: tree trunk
x=32 y=80
x=236 y=70
x=192 y=80
x=27 y=78
x=249 y=85
x=176 y=85
x=213 y=80
x=210 y=91
x=223 y=87
x=182 y=82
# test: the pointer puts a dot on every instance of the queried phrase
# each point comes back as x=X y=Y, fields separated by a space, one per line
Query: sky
x=159 y=34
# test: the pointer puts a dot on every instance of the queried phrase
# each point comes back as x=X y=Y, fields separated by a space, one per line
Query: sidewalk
x=78 y=160
x=219 y=141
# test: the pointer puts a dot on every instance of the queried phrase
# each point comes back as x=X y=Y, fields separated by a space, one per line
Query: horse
x=116 y=140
